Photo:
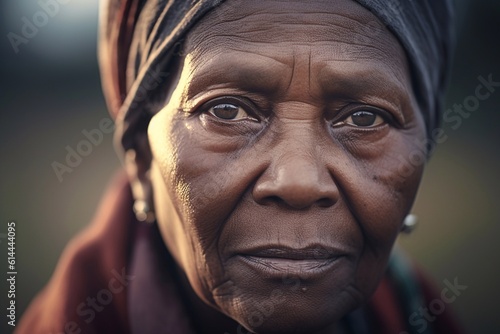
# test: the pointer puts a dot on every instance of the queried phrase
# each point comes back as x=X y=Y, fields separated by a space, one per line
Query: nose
x=297 y=180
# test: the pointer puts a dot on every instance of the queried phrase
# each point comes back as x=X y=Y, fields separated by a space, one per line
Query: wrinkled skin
x=283 y=135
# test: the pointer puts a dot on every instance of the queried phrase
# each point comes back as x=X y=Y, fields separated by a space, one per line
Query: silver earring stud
x=143 y=212
x=409 y=224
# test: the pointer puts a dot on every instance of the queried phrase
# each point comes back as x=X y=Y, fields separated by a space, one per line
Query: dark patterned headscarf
x=139 y=38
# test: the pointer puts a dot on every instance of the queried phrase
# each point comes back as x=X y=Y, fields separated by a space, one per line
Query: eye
x=363 y=119
x=229 y=112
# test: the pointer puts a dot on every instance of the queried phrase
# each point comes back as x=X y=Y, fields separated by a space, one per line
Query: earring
x=140 y=184
x=409 y=224
x=143 y=212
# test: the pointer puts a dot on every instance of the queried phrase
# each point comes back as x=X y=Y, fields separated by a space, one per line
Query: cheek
x=380 y=187
x=198 y=179
x=185 y=220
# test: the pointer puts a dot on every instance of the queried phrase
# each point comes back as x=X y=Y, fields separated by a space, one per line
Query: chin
x=293 y=306
x=290 y=317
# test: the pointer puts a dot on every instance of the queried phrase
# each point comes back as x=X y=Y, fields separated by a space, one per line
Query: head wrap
x=138 y=39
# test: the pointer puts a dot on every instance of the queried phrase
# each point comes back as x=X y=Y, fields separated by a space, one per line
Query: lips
x=309 y=253
x=306 y=263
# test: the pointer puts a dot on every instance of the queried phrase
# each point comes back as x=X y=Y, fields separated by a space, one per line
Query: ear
x=137 y=163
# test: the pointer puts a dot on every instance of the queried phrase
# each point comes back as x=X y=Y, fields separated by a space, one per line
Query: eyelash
x=247 y=105
x=255 y=112
x=350 y=110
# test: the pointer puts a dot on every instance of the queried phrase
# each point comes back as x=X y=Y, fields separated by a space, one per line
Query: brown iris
x=226 y=111
x=364 y=118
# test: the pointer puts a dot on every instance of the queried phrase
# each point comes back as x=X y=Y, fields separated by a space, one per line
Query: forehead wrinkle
x=277 y=35
x=257 y=74
x=281 y=53
x=278 y=32
x=259 y=19
x=217 y=45
x=381 y=82
x=307 y=20
x=337 y=37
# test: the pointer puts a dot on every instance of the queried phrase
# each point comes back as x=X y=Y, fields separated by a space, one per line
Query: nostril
x=325 y=202
x=268 y=200
x=296 y=203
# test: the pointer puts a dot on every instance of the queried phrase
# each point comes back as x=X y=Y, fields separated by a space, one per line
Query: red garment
x=95 y=268
x=84 y=269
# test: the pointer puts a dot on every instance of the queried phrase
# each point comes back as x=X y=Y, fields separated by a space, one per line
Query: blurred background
x=50 y=92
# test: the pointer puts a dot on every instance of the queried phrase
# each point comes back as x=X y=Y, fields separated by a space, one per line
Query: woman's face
x=277 y=160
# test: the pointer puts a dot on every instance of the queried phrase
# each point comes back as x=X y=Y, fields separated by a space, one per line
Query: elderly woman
x=273 y=150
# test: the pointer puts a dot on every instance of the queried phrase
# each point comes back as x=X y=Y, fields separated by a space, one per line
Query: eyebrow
x=259 y=74
x=362 y=79
x=354 y=79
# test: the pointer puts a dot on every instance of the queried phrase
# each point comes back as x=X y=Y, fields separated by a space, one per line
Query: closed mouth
x=290 y=265
x=305 y=262
x=312 y=252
